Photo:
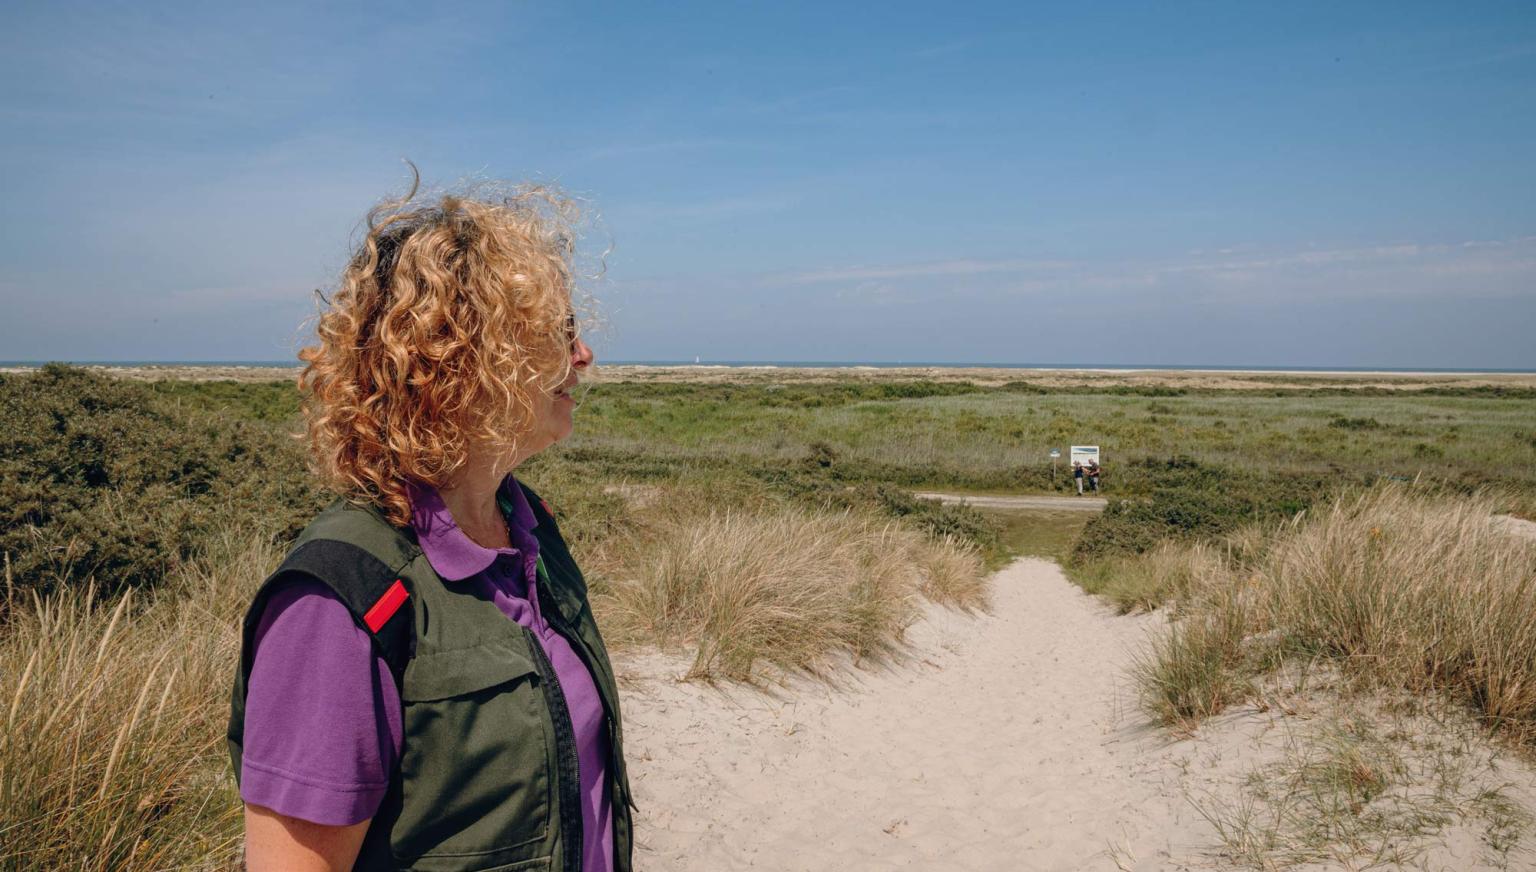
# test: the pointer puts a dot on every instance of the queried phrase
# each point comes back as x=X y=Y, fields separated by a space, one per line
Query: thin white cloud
x=922 y=270
x=724 y=207
x=1504 y=55
x=787 y=103
x=637 y=149
x=1474 y=269
x=954 y=46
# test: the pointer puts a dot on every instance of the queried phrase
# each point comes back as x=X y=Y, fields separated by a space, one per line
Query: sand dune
x=1006 y=741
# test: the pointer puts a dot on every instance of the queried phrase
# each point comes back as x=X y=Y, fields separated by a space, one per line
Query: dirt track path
x=1002 y=741
x=1059 y=504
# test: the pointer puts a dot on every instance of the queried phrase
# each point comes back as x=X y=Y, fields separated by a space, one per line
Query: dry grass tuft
x=1195 y=670
x=1167 y=573
x=112 y=754
x=781 y=586
x=952 y=575
x=1405 y=590
x=1367 y=788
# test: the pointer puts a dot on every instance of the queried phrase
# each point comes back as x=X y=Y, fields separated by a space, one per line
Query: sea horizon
x=877 y=364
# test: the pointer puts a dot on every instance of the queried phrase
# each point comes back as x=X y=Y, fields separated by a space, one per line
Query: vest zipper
x=580 y=647
x=569 y=773
x=615 y=765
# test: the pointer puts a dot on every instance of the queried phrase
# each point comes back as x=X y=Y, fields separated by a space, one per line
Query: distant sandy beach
x=1194 y=379
x=994 y=376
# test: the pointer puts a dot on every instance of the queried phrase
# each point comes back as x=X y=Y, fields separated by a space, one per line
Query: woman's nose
x=581 y=354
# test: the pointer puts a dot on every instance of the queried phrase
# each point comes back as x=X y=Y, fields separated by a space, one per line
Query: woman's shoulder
x=306 y=607
x=343 y=576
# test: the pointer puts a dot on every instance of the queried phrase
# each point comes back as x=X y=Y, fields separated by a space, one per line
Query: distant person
x=421 y=683
x=1093 y=475
x=1077 y=475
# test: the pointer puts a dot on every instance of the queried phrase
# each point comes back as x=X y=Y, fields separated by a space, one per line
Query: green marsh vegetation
x=1181 y=465
x=962 y=435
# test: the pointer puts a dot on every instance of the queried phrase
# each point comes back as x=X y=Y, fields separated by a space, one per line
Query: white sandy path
x=1043 y=502
x=1006 y=741
x=1000 y=741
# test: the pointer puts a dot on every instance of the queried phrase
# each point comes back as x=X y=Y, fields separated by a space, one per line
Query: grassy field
x=942 y=434
x=996 y=437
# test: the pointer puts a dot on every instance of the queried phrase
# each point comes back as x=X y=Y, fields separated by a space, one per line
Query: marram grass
x=1407 y=590
x=779 y=586
x=112 y=754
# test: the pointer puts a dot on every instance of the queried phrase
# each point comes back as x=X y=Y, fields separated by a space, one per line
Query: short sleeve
x=322 y=713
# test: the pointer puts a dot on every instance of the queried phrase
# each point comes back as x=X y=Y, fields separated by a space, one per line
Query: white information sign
x=1084 y=453
x=1055 y=453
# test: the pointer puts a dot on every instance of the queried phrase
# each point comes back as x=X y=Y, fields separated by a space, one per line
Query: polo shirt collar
x=453 y=555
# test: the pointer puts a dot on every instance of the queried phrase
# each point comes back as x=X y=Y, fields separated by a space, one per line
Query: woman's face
x=552 y=412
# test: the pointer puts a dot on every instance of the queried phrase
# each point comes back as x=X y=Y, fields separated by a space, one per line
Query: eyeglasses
x=581 y=355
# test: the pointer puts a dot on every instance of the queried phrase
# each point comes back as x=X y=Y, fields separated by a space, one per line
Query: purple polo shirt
x=322 y=717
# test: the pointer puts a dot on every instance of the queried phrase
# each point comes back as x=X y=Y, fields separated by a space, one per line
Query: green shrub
x=1343 y=423
x=938 y=519
x=105 y=479
x=276 y=401
x=822 y=479
x=1195 y=501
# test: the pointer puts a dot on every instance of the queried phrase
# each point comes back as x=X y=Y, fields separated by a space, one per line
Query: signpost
x=1055 y=456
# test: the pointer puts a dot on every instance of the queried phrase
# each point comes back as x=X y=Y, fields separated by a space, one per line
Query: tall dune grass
x=1407 y=590
x=780 y=586
x=1167 y=573
x=112 y=753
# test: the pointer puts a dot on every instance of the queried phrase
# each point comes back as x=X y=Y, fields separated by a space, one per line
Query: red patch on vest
x=386 y=607
x=547 y=510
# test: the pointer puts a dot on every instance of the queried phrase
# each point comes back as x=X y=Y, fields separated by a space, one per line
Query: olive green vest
x=488 y=765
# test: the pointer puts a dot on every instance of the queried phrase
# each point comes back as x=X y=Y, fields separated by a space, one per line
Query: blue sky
x=1223 y=183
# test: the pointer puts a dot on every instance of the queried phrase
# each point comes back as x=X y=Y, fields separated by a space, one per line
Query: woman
x=421 y=683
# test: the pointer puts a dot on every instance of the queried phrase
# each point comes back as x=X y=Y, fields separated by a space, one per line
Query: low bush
x=1342 y=422
x=1190 y=501
x=105 y=480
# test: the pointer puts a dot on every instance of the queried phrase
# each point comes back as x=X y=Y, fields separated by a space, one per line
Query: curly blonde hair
x=452 y=313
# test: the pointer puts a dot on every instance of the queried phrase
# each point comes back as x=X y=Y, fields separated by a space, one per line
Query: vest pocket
x=475 y=781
